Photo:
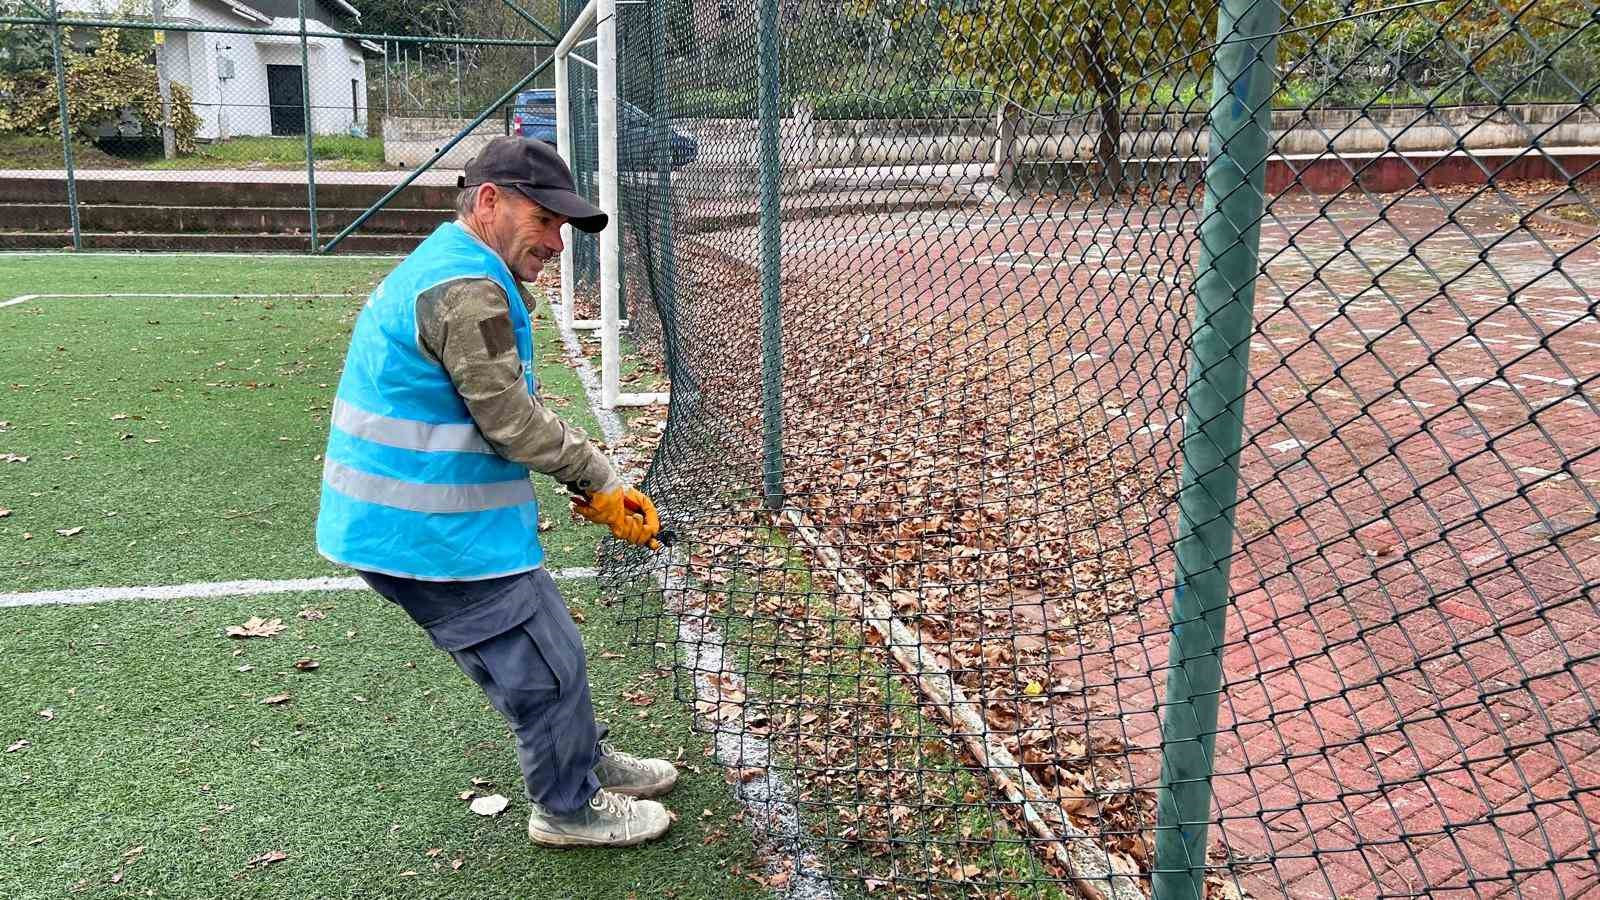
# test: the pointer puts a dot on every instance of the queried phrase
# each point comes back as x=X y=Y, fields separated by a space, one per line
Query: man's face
x=523 y=233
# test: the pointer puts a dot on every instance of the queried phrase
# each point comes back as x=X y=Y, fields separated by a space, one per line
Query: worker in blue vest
x=425 y=492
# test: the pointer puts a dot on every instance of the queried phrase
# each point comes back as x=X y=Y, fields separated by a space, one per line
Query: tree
x=1476 y=50
x=100 y=84
x=1031 y=51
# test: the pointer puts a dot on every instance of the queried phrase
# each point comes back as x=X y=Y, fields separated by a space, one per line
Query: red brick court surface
x=1412 y=656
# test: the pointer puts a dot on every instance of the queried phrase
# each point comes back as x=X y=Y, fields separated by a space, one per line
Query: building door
x=286 y=100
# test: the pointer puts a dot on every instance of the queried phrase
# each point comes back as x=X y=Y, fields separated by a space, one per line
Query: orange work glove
x=627 y=512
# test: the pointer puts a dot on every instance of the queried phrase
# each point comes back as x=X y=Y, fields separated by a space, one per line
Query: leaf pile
x=956 y=462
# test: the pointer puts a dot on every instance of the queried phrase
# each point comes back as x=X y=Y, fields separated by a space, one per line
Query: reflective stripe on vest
x=430 y=498
x=407 y=434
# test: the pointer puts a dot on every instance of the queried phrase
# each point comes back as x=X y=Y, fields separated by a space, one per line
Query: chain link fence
x=1127 y=450
x=268 y=125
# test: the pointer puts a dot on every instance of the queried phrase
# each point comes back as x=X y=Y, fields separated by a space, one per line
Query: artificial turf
x=182 y=435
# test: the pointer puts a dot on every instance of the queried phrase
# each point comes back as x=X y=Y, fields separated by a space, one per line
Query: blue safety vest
x=410 y=487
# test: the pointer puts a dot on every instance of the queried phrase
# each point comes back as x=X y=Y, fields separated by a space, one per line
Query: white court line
x=209 y=254
x=146 y=295
x=207 y=589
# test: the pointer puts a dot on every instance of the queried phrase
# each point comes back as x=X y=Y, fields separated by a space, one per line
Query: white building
x=250 y=84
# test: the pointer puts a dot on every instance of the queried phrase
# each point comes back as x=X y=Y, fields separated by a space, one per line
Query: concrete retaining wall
x=410 y=142
x=729 y=164
x=900 y=141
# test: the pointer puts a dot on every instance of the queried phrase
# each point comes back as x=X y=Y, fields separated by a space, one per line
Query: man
x=425 y=490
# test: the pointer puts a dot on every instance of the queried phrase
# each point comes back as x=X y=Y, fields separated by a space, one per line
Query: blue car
x=533 y=115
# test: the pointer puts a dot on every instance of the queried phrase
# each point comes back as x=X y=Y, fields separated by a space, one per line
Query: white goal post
x=602 y=16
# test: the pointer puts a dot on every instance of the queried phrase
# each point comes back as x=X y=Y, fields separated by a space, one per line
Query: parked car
x=533 y=115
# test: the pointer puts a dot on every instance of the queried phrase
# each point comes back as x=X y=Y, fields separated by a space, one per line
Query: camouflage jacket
x=466 y=327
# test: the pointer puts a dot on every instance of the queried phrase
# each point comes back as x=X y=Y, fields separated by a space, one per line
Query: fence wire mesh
x=189 y=123
x=950 y=296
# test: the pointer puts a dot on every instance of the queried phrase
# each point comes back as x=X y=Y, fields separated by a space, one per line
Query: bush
x=903 y=102
x=99 y=85
x=898 y=102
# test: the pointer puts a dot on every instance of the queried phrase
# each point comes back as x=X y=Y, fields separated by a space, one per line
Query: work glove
x=627 y=512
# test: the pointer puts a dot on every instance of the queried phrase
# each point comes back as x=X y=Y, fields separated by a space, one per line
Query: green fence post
x=305 y=105
x=771 y=241
x=1223 y=318
x=66 y=127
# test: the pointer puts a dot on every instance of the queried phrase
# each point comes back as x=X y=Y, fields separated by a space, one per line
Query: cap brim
x=583 y=215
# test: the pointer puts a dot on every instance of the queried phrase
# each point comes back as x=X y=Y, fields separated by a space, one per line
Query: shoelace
x=619 y=805
x=622 y=759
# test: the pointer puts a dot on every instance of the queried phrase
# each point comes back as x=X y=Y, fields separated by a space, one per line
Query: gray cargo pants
x=515 y=639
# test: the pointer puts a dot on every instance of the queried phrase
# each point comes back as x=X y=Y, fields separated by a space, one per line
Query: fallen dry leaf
x=268 y=858
x=246 y=668
x=492 y=805
x=276 y=699
x=408 y=873
x=255 y=627
x=19 y=744
x=455 y=864
x=306 y=665
x=433 y=851
x=69 y=532
x=47 y=713
x=464 y=795
x=14 y=457
x=312 y=615
x=4 y=512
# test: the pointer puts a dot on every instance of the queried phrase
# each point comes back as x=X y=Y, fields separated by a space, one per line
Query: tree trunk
x=169 y=147
x=1005 y=146
x=1108 y=88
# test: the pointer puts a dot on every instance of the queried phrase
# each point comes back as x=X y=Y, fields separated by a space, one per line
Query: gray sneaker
x=624 y=773
x=610 y=820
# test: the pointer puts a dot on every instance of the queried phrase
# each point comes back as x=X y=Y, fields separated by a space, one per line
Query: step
x=215 y=219
x=216 y=243
x=240 y=192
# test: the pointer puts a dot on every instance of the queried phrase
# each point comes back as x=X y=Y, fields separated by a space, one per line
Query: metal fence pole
x=665 y=255
x=1223 y=318
x=610 y=243
x=66 y=126
x=385 y=85
x=771 y=250
x=305 y=104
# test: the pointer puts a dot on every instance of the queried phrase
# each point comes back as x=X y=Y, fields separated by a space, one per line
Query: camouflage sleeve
x=466 y=326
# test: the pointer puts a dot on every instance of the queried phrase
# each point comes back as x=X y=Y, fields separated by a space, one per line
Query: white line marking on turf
x=210 y=254
x=24 y=298
x=774 y=814
x=207 y=589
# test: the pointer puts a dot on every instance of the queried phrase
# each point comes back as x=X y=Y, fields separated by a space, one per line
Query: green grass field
x=182 y=436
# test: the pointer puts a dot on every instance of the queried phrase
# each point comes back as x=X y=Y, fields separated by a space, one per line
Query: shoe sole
x=570 y=842
x=649 y=791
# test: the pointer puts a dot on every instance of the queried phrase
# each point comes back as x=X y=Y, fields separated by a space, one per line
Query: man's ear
x=488 y=198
